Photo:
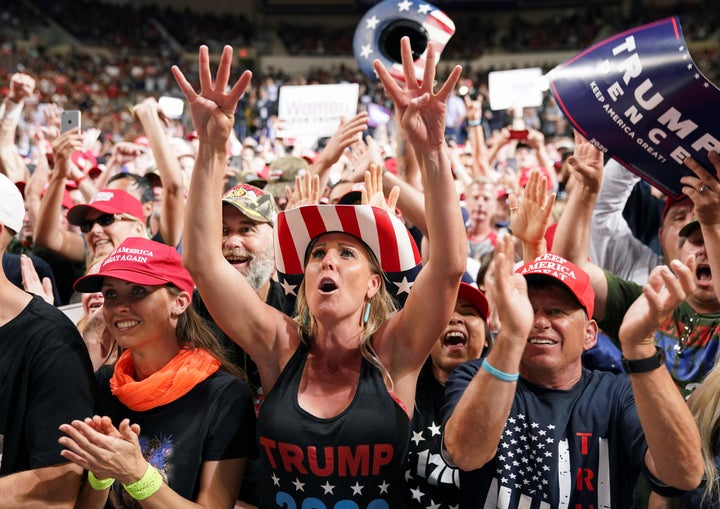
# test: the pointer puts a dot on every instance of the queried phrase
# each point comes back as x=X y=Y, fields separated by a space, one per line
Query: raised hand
x=63 y=146
x=373 y=193
x=347 y=133
x=530 y=216
x=213 y=108
x=663 y=292
x=587 y=164
x=32 y=283
x=704 y=189
x=421 y=112
x=510 y=293
x=305 y=192
x=22 y=86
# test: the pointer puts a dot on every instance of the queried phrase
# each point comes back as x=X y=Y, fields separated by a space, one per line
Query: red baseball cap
x=108 y=201
x=141 y=261
x=475 y=297
x=570 y=275
x=670 y=202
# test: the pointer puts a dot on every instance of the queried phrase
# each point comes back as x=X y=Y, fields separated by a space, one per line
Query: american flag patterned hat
x=382 y=26
x=382 y=232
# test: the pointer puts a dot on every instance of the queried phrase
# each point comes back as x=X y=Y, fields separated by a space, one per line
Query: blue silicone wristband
x=500 y=375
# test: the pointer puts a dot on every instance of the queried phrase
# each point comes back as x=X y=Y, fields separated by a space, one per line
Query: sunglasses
x=103 y=220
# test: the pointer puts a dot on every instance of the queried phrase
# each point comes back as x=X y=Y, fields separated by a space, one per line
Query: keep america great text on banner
x=640 y=98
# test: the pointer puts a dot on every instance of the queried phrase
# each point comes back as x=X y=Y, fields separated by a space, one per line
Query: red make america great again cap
x=570 y=275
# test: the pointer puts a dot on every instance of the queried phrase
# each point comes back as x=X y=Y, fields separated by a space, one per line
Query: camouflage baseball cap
x=253 y=202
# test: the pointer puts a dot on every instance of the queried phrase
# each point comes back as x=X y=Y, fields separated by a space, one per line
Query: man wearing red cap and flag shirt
x=530 y=427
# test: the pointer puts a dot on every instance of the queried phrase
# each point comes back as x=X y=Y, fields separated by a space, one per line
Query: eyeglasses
x=103 y=220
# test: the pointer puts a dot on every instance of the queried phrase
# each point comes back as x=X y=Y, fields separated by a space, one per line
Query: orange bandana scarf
x=175 y=379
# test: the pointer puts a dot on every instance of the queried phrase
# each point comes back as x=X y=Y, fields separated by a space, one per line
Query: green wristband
x=147 y=485
x=99 y=484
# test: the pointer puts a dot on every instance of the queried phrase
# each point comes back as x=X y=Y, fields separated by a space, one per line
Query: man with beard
x=248 y=220
x=248 y=217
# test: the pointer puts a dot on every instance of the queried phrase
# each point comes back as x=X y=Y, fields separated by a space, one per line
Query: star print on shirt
x=327 y=488
x=357 y=489
x=416 y=494
x=383 y=487
x=276 y=480
x=417 y=437
x=434 y=429
x=299 y=486
x=526 y=459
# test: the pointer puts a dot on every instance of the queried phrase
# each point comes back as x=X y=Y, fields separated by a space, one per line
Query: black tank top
x=354 y=460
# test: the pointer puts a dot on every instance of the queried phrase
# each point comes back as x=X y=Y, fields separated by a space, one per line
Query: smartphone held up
x=69 y=119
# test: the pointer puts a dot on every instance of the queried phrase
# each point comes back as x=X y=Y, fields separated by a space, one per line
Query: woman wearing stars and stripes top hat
x=340 y=378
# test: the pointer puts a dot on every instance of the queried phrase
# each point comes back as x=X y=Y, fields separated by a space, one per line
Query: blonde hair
x=705 y=406
x=382 y=306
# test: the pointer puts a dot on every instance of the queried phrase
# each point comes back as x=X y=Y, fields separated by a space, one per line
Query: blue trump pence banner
x=640 y=98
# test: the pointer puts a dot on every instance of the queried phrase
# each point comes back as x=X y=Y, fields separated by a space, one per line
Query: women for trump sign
x=640 y=98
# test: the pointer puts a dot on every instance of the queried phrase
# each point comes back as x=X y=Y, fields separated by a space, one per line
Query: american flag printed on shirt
x=533 y=459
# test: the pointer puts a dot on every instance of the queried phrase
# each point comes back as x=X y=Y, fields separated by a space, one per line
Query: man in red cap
x=530 y=427
x=612 y=243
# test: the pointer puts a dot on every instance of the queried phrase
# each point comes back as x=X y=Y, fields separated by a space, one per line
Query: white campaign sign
x=315 y=109
x=518 y=87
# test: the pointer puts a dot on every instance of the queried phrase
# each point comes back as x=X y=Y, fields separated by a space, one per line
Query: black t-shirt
x=63 y=272
x=579 y=447
x=46 y=379
x=431 y=481
x=214 y=421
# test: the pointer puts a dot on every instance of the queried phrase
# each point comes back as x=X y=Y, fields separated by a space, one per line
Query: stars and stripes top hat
x=382 y=232
x=382 y=27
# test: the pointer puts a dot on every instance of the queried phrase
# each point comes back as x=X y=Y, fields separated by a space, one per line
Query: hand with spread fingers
x=305 y=192
x=213 y=108
x=704 y=189
x=530 y=215
x=373 y=192
x=421 y=111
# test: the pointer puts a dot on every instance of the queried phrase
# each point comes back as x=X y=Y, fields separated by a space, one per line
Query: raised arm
x=347 y=133
x=173 y=196
x=48 y=232
x=707 y=207
x=230 y=299
x=406 y=342
x=572 y=236
x=530 y=216
x=21 y=87
x=673 y=454
x=473 y=431
x=481 y=163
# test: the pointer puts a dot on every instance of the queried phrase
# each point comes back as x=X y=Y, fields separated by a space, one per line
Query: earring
x=306 y=317
x=366 y=316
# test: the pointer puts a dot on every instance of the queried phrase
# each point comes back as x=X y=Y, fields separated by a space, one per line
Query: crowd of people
x=428 y=313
